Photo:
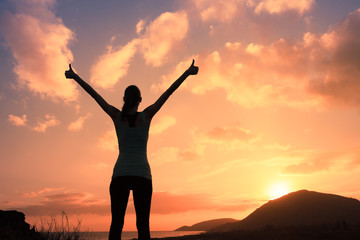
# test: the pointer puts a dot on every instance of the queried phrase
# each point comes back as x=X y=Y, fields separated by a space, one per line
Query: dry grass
x=57 y=228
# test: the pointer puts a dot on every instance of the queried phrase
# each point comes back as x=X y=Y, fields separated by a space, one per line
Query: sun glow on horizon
x=277 y=190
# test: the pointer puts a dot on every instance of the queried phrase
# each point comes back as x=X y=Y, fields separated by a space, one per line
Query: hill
x=301 y=208
x=207 y=225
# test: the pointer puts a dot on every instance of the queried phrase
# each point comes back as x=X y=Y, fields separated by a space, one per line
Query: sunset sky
x=275 y=107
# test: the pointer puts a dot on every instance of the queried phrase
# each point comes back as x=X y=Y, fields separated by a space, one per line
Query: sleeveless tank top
x=132 y=142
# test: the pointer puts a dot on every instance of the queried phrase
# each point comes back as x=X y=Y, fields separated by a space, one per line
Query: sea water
x=127 y=235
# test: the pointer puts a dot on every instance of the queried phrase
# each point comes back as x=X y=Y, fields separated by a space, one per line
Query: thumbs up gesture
x=70 y=73
x=193 y=70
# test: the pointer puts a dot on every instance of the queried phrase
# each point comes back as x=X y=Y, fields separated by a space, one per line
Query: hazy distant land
x=296 y=216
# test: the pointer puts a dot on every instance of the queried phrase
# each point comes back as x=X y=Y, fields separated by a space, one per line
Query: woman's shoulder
x=147 y=116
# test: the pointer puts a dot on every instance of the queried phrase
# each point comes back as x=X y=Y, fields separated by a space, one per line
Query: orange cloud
x=108 y=141
x=310 y=73
x=173 y=154
x=79 y=123
x=39 y=43
x=40 y=192
x=18 y=121
x=227 y=138
x=71 y=203
x=162 y=203
x=165 y=155
x=279 y=6
x=113 y=65
x=165 y=33
x=161 y=36
x=336 y=160
x=162 y=124
x=43 y=125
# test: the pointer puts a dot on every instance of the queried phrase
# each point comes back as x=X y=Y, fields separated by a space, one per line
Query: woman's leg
x=119 y=194
x=142 y=192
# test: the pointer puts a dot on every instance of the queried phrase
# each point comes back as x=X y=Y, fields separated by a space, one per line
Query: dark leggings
x=119 y=192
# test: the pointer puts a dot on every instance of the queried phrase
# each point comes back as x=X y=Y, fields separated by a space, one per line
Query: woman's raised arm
x=110 y=110
x=154 y=108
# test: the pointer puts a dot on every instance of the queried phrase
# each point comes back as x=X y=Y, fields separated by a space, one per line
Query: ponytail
x=131 y=98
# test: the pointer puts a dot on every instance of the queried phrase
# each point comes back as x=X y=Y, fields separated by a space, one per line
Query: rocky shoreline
x=13 y=226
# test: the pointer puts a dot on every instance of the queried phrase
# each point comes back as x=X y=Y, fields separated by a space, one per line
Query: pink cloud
x=39 y=43
x=18 y=121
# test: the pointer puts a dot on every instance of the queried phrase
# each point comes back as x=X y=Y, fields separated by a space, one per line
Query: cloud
x=335 y=57
x=71 y=203
x=173 y=154
x=161 y=36
x=279 y=6
x=227 y=11
x=140 y=26
x=169 y=203
x=165 y=155
x=40 y=192
x=232 y=133
x=108 y=141
x=162 y=124
x=167 y=80
x=39 y=43
x=77 y=125
x=219 y=11
x=85 y=203
x=43 y=125
x=113 y=65
x=321 y=162
x=340 y=160
x=235 y=68
x=18 y=121
x=314 y=72
x=226 y=138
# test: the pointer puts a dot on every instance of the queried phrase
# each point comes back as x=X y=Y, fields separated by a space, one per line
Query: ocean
x=133 y=234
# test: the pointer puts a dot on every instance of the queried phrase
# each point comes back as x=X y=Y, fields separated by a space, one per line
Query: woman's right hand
x=193 y=70
x=70 y=73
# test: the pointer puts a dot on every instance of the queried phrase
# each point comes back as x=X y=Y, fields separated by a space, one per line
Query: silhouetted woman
x=132 y=170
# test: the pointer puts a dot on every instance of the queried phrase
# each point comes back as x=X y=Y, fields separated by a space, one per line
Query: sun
x=277 y=190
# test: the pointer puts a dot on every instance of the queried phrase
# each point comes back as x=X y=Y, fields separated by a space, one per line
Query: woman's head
x=132 y=93
x=132 y=98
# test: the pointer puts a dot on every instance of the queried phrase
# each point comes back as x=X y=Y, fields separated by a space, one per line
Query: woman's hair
x=131 y=98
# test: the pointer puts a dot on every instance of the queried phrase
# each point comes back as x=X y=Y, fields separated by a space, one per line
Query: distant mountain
x=207 y=225
x=301 y=208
